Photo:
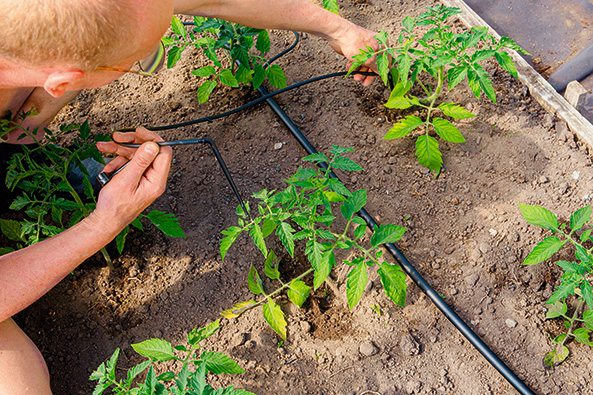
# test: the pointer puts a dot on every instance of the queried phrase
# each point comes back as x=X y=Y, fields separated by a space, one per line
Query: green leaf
x=556 y=310
x=455 y=111
x=331 y=5
x=136 y=370
x=205 y=71
x=357 y=281
x=120 y=239
x=258 y=238
x=427 y=151
x=298 y=292
x=285 y=234
x=238 y=309
x=400 y=89
x=178 y=27
x=166 y=222
x=181 y=381
x=12 y=229
x=587 y=293
x=227 y=78
x=386 y=234
x=455 y=75
x=337 y=186
x=275 y=318
x=231 y=236
x=345 y=164
x=409 y=23
x=539 y=216
x=166 y=376
x=555 y=357
x=588 y=318
x=271 y=266
x=447 y=131
x=544 y=250
x=323 y=268
x=393 y=279
x=197 y=335
x=403 y=127
x=359 y=231
x=400 y=102
x=254 y=282
x=484 y=82
x=585 y=235
x=582 y=336
x=482 y=55
x=157 y=349
x=173 y=56
x=259 y=75
x=505 y=61
x=205 y=90
x=263 y=42
x=19 y=203
x=268 y=227
x=354 y=203
x=383 y=67
x=580 y=217
x=218 y=363
x=276 y=76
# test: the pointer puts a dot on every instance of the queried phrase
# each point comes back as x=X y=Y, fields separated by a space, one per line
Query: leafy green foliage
x=49 y=201
x=438 y=56
x=236 y=51
x=185 y=382
x=575 y=278
x=305 y=212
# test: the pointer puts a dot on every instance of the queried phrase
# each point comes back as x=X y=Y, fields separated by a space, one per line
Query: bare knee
x=22 y=368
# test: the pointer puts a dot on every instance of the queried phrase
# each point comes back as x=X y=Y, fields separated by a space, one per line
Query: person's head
x=61 y=44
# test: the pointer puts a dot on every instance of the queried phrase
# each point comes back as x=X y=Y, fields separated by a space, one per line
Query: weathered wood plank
x=540 y=89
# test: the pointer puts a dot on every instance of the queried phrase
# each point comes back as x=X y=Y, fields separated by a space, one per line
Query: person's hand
x=137 y=185
x=348 y=41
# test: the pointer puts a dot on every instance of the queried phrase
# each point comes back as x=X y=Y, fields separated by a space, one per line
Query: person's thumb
x=140 y=162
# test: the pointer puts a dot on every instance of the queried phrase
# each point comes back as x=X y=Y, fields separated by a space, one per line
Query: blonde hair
x=81 y=33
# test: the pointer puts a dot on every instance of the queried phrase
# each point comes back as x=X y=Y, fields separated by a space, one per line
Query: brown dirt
x=465 y=235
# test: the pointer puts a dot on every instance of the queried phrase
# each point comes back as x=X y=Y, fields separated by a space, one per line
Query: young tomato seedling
x=190 y=379
x=50 y=202
x=430 y=60
x=576 y=279
x=229 y=46
x=304 y=212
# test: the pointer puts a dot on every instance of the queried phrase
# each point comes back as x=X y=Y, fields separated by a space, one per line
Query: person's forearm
x=27 y=274
x=300 y=15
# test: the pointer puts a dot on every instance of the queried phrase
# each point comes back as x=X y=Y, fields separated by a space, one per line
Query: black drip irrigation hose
x=449 y=313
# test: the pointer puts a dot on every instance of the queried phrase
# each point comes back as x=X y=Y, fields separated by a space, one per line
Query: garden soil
x=465 y=234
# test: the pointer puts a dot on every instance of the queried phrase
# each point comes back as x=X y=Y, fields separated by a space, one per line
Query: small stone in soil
x=239 y=339
x=472 y=279
x=277 y=146
x=305 y=326
x=510 y=323
x=409 y=345
x=368 y=348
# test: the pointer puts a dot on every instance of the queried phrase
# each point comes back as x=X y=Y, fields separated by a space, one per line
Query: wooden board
x=543 y=92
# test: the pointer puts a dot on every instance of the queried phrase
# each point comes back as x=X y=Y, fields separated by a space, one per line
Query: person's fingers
x=147 y=135
x=115 y=164
x=135 y=169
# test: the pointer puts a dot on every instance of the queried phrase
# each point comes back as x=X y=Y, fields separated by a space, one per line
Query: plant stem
x=572 y=321
x=107 y=258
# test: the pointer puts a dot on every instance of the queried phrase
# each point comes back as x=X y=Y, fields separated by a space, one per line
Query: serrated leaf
x=484 y=82
x=323 y=269
x=205 y=71
x=227 y=78
x=11 y=229
x=588 y=319
x=173 y=55
x=258 y=238
x=383 y=67
x=337 y=186
x=331 y=5
x=181 y=380
x=557 y=309
x=539 y=216
x=505 y=61
x=231 y=236
x=262 y=43
x=354 y=203
x=447 y=131
x=455 y=111
x=218 y=363
x=275 y=318
x=357 y=281
x=587 y=293
x=455 y=75
x=136 y=370
x=166 y=376
x=399 y=102
x=386 y=234
x=582 y=336
x=298 y=292
x=120 y=239
x=271 y=266
x=580 y=217
x=205 y=90
x=544 y=250
x=197 y=335
x=393 y=279
x=157 y=349
x=177 y=27
x=555 y=358
x=346 y=164
x=276 y=76
x=403 y=127
x=166 y=222
x=359 y=231
x=238 y=309
x=259 y=75
x=254 y=282
x=428 y=154
x=408 y=23
x=585 y=235
x=19 y=203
